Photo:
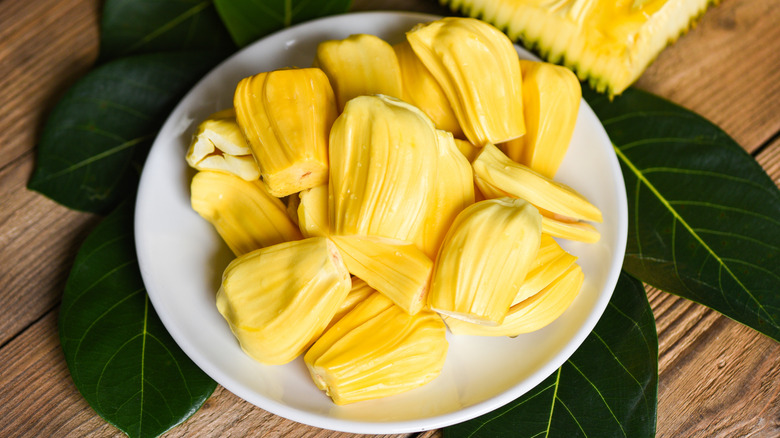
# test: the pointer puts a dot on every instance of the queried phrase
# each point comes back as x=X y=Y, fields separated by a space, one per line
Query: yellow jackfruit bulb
x=278 y=300
x=551 y=102
x=383 y=155
x=476 y=66
x=219 y=145
x=467 y=149
x=359 y=65
x=484 y=259
x=571 y=230
x=358 y=293
x=421 y=90
x=550 y=263
x=532 y=313
x=377 y=350
x=496 y=175
x=395 y=268
x=244 y=214
x=453 y=191
x=286 y=116
x=313 y=211
x=292 y=203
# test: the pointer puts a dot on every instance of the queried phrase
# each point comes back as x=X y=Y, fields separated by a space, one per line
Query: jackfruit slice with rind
x=607 y=43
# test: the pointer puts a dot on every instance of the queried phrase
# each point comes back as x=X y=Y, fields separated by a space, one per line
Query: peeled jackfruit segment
x=313 y=211
x=219 y=145
x=358 y=293
x=477 y=67
x=496 y=175
x=421 y=90
x=606 y=42
x=467 y=149
x=551 y=101
x=383 y=167
x=532 y=313
x=550 y=263
x=278 y=300
x=397 y=269
x=377 y=350
x=244 y=214
x=484 y=259
x=361 y=64
x=571 y=230
x=453 y=191
x=286 y=116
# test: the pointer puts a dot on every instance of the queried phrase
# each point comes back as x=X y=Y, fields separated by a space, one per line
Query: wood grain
x=717 y=378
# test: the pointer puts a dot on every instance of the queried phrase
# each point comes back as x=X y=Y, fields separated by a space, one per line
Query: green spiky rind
x=602 y=84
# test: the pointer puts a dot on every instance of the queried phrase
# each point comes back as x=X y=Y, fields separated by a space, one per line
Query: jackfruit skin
x=484 y=259
x=608 y=44
x=244 y=214
x=377 y=350
x=278 y=300
x=286 y=116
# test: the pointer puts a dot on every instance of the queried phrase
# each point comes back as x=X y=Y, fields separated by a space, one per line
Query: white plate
x=182 y=258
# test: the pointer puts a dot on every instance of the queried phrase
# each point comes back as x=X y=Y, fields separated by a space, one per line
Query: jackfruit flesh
x=244 y=214
x=219 y=145
x=477 y=67
x=360 y=65
x=377 y=350
x=383 y=162
x=453 y=190
x=496 y=175
x=313 y=211
x=532 y=313
x=397 y=269
x=286 y=116
x=278 y=300
x=551 y=101
x=484 y=259
x=357 y=294
x=550 y=263
x=608 y=43
x=421 y=90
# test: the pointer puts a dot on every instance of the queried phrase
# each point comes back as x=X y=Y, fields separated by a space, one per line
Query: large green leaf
x=248 y=20
x=145 y=26
x=608 y=388
x=120 y=356
x=704 y=218
x=95 y=139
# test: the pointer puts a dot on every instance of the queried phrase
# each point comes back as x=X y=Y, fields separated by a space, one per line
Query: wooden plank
x=37 y=66
x=38 y=241
x=727 y=69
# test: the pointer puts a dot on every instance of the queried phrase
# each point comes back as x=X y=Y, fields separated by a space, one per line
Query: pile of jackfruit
x=388 y=193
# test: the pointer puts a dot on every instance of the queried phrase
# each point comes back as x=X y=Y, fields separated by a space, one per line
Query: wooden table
x=717 y=378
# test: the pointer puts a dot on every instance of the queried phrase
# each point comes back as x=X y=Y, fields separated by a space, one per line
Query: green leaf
x=145 y=26
x=120 y=356
x=94 y=141
x=248 y=20
x=704 y=218
x=608 y=388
